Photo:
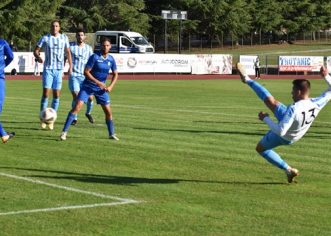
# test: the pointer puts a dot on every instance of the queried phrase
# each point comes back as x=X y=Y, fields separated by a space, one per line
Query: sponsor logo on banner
x=300 y=63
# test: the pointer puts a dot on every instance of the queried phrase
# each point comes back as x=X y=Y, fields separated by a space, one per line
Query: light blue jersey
x=80 y=56
x=54 y=50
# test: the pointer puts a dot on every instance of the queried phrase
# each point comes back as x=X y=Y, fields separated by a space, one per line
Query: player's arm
x=88 y=75
x=114 y=77
x=9 y=54
x=36 y=53
x=325 y=74
x=69 y=58
x=283 y=126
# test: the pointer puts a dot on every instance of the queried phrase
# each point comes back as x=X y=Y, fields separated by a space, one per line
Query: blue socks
x=69 y=120
x=2 y=131
x=260 y=91
x=272 y=157
x=55 y=103
x=110 y=126
x=43 y=103
x=89 y=106
x=73 y=104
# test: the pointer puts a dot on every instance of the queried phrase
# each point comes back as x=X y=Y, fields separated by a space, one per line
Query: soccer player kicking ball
x=293 y=120
x=98 y=69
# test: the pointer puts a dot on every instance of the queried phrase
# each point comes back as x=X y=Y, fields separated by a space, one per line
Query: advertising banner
x=24 y=62
x=300 y=63
x=211 y=64
x=248 y=62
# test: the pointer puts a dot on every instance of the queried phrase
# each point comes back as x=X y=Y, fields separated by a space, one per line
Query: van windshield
x=139 y=40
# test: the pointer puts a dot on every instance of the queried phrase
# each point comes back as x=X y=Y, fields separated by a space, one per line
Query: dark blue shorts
x=101 y=96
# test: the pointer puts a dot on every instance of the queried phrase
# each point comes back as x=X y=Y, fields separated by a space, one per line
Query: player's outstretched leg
x=260 y=91
x=70 y=118
x=73 y=104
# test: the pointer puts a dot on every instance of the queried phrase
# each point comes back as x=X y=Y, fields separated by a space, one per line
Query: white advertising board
x=248 y=62
x=211 y=64
x=24 y=62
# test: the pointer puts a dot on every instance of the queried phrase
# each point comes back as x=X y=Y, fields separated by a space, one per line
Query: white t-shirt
x=299 y=117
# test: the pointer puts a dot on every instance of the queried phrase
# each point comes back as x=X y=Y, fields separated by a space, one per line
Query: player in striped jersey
x=293 y=120
x=80 y=53
x=55 y=46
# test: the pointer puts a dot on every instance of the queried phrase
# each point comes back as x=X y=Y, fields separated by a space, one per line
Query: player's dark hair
x=301 y=84
x=103 y=39
x=78 y=30
x=56 y=20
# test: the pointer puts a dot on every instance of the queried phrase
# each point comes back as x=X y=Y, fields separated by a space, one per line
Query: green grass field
x=185 y=165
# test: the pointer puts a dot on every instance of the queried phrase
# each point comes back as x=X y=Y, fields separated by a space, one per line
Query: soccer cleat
x=7 y=137
x=242 y=72
x=114 y=137
x=90 y=118
x=51 y=126
x=43 y=125
x=291 y=174
x=63 y=136
x=74 y=122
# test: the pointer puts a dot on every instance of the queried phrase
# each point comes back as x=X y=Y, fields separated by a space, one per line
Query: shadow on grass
x=123 y=180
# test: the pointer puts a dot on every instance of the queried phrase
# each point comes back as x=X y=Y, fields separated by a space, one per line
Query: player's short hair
x=56 y=20
x=103 y=39
x=78 y=30
x=302 y=85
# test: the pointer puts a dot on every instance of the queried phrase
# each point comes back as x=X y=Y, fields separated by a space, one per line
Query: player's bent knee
x=259 y=148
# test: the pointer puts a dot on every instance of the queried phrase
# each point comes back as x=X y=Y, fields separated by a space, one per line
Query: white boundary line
x=120 y=201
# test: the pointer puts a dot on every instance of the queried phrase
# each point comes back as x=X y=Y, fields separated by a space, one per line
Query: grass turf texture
x=186 y=151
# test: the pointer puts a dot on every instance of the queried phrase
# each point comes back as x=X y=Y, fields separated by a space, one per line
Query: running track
x=176 y=77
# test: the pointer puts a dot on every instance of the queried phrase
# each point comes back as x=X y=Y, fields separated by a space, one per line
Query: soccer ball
x=48 y=115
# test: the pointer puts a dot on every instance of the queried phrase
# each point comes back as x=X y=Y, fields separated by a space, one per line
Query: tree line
x=24 y=21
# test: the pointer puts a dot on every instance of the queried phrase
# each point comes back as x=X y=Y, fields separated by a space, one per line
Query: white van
x=124 y=42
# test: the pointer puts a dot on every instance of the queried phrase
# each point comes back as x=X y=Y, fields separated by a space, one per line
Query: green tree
x=266 y=17
x=25 y=21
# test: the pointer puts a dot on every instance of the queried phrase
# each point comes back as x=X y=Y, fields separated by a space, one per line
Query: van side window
x=126 y=42
x=113 y=38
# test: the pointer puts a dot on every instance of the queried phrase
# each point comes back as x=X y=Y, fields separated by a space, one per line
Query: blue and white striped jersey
x=54 y=50
x=80 y=56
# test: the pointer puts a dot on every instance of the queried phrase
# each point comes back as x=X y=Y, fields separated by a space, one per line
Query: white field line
x=63 y=208
x=121 y=201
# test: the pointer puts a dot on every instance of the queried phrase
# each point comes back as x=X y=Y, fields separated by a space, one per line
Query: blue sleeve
x=323 y=99
x=9 y=54
x=41 y=42
x=114 y=66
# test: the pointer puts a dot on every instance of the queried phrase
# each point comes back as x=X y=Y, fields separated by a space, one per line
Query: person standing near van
x=80 y=52
x=257 y=68
x=6 y=57
x=100 y=67
x=55 y=45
